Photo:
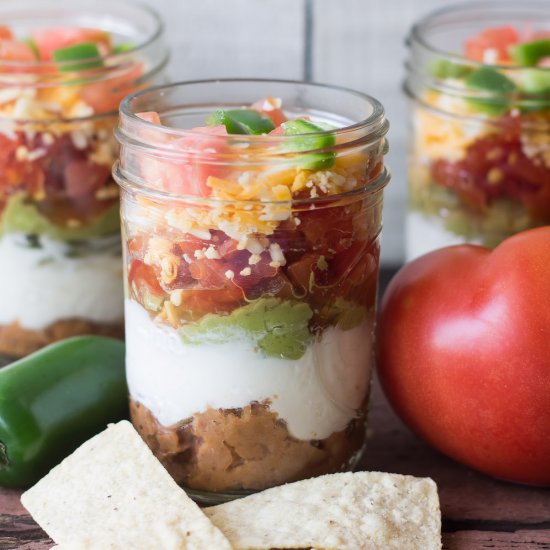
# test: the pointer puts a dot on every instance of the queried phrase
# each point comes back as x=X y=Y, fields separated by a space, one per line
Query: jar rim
x=24 y=6
x=375 y=125
x=418 y=33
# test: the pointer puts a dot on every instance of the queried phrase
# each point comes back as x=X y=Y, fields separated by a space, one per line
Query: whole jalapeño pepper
x=55 y=399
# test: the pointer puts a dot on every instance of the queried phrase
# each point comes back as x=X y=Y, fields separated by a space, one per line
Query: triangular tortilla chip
x=349 y=511
x=113 y=494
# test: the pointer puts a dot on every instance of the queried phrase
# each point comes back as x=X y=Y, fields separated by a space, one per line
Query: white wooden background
x=354 y=43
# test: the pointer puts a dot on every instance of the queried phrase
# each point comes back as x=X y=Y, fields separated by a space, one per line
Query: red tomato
x=142 y=278
x=51 y=39
x=150 y=116
x=202 y=301
x=105 y=95
x=496 y=38
x=5 y=33
x=210 y=273
x=464 y=354
x=84 y=177
x=271 y=107
x=188 y=175
x=11 y=50
x=525 y=179
x=329 y=230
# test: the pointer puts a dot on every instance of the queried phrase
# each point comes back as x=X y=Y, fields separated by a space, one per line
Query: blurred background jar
x=479 y=87
x=252 y=269
x=64 y=68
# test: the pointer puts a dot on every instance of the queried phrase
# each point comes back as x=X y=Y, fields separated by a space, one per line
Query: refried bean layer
x=240 y=449
x=16 y=341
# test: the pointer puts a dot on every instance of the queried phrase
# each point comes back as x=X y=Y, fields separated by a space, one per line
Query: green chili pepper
x=443 y=68
x=85 y=56
x=312 y=161
x=490 y=80
x=241 y=121
x=54 y=400
x=529 y=54
x=535 y=87
x=124 y=47
x=535 y=81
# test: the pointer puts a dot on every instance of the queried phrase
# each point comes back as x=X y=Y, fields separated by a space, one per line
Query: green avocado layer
x=21 y=216
x=279 y=328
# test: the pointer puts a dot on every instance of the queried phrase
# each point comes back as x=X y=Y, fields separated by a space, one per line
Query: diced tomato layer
x=150 y=116
x=497 y=39
x=329 y=229
x=11 y=50
x=5 y=33
x=104 y=96
x=143 y=277
x=51 y=39
x=201 y=302
x=495 y=166
x=64 y=176
x=198 y=153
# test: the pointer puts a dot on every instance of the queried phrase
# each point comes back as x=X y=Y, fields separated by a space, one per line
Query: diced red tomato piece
x=188 y=176
x=84 y=177
x=278 y=286
x=143 y=276
x=498 y=39
x=495 y=166
x=249 y=276
x=228 y=247
x=279 y=131
x=202 y=301
x=104 y=96
x=300 y=272
x=329 y=229
x=49 y=40
x=271 y=107
x=11 y=50
x=5 y=33
x=137 y=246
x=150 y=116
x=210 y=274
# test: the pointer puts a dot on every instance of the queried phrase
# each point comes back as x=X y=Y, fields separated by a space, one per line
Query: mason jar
x=60 y=248
x=251 y=267
x=479 y=87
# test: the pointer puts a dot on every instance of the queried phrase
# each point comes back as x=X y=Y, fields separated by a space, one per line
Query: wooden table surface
x=478 y=512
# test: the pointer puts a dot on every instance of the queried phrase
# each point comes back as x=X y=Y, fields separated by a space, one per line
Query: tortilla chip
x=112 y=493
x=349 y=511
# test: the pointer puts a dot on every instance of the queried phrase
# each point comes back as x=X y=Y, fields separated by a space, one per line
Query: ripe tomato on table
x=464 y=354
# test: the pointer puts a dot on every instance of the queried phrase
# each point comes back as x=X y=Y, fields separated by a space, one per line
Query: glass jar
x=479 y=166
x=60 y=248
x=252 y=267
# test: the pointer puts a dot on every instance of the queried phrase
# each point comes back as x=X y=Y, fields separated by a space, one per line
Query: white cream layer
x=424 y=234
x=316 y=395
x=39 y=286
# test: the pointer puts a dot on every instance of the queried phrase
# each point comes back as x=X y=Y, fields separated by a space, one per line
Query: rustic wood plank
x=20 y=531
x=481 y=540
x=10 y=503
